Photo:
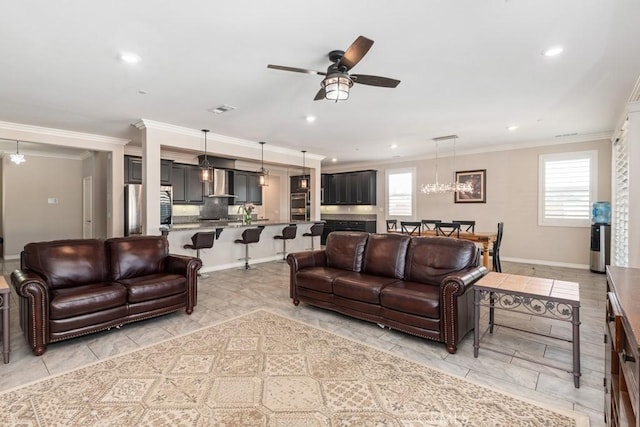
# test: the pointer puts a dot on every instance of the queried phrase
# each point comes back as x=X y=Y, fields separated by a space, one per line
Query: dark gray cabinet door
x=246 y=188
x=133 y=170
x=187 y=187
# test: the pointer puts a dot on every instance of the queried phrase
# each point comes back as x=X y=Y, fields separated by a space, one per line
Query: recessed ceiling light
x=130 y=58
x=512 y=128
x=334 y=160
x=310 y=119
x=553 y=51
x=393 y=146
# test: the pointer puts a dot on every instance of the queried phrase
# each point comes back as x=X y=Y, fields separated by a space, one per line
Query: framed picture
x=478 y=180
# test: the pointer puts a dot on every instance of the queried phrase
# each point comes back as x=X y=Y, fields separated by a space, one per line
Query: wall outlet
x=52 y=200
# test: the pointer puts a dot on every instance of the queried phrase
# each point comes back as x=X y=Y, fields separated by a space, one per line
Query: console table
x=532 y=296
x=5 y=296
x=622 y=330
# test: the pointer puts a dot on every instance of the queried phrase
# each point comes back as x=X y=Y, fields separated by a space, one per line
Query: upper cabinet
x=349 y=188
x=246 y=188
x=187 y=187
x=133 y=170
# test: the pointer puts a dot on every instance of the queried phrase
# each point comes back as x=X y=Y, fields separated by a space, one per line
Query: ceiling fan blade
x=364 y=79
x=320 y=95
x=355 y=52
x=296 y=70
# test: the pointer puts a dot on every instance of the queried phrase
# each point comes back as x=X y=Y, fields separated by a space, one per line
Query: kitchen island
x=225 y=253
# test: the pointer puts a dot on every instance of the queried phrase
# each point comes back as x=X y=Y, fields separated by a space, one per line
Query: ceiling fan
x=338 y=81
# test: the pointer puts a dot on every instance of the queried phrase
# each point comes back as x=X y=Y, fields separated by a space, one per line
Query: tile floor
x=230 y=293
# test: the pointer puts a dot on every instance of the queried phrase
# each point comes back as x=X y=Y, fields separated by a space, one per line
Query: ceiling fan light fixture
x=16 y=157
x=337 y=86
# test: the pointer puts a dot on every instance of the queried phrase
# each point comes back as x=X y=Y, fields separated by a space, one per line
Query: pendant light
x=304 y=182
x=206 y=171
x=17 y=158
x=263 y=174
x=450 y=187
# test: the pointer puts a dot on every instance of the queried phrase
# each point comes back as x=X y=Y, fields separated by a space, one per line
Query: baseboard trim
x=546 y=262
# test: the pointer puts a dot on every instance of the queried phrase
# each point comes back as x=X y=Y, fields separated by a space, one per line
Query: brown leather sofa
x=68 y=288
x=418 y=285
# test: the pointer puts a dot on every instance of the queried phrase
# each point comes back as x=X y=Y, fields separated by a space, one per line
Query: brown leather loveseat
x=418 y=285
x=68 y=288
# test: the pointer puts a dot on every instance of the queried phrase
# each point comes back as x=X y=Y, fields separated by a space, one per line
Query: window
x=400 y=192
x=567 y=188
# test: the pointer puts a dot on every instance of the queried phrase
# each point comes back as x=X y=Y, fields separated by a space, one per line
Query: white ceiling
x=467 y=67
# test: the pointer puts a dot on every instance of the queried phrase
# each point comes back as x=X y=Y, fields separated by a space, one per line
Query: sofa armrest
x=186 y=266
x=33 y=295
x=459 y=282
x=299 y=260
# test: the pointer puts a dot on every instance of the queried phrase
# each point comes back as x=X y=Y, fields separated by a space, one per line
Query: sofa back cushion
x=344 y=249
x=385 y=255
x=136 y=256
x=431 y=259
x=66 y=263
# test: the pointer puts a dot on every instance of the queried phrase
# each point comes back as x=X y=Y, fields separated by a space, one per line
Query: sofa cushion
x=136 y=256
x=67 y=263
x=70 y=302
x=153 y=286
x=344 y=249
x=431 y=259
x=361 y=287
x=318 y=278
x=385 y=255
x=413 y=298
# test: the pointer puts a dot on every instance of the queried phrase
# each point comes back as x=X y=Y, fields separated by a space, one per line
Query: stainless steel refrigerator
x=133 y=207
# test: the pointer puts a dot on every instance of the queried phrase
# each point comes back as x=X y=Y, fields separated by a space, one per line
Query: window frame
x=543 y=159
x=388 y=173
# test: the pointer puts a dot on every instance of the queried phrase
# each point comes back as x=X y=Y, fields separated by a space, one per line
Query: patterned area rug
x=262 y=369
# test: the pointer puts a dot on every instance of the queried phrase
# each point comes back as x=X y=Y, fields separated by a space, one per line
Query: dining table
x=485 y=238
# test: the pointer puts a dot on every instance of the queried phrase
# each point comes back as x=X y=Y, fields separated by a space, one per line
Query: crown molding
x=142 y=124
x=479 y=150
x=62 y=133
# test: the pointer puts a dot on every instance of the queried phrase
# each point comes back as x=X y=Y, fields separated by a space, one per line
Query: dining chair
x=448 y=229
x=410 y=227
x=467 y=226
x=430 y=224
x=494 y=252
x=392 y=225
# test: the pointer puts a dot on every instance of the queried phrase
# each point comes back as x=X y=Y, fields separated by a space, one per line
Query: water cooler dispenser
x=600 y=236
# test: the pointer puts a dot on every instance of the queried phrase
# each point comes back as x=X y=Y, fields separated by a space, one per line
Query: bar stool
x=201 y=240
x=250 y=235
x=288 y=233
x=316 y=230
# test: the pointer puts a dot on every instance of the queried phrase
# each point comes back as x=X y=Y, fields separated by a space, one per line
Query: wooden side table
x=532 y=296
x=5 y=296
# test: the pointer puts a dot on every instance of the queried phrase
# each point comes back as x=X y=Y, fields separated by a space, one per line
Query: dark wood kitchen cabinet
x=133 y=170
x=246 y=188
x=187 y=187
x=347 y=225
x=349 y=188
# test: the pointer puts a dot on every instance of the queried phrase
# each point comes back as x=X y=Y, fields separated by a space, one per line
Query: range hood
x=219 y=187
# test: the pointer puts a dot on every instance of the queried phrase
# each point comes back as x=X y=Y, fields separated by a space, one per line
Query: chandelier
x=449 y=187
x=16 y=157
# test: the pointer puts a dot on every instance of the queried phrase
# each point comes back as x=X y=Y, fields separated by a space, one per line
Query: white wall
x=28 y=217
x=512 y=197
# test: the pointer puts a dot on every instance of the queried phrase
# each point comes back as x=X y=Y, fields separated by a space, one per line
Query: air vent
x=222 y=109
x=564 y=135
x=446 y=137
